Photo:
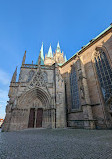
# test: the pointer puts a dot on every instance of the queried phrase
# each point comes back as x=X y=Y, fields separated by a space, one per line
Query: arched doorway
x=39 y=117
x=38 y=103
x=35 y=117
x=31 y=118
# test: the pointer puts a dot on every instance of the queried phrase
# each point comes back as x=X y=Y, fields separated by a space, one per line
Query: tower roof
x=58 y=47
x=50 y=52
x=24 y=58
x=41 y=56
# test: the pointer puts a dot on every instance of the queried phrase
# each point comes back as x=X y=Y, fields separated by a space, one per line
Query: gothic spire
x=58 y=47
x=14 y=76
x=50 y=52
x=65 y=58
x=24 y=58
x=41 y=56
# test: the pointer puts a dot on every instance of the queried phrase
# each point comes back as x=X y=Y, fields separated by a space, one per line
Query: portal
x=39 y=118
x=31 y=118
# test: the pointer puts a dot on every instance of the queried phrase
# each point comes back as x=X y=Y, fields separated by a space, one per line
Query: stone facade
x=66 y=93
x=93 y=111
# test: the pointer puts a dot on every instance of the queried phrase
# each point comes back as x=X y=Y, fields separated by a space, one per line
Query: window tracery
x=74 y=89
x=104 y=73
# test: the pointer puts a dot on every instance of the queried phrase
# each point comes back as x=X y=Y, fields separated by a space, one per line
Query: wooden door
x=31 y=118
x=39 y=118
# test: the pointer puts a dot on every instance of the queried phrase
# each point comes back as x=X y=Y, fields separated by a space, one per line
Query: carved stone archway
x=34 y=100
x=34 y=93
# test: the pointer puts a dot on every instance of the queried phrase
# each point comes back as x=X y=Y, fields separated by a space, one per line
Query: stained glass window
x=74 y=89
x=104 y=73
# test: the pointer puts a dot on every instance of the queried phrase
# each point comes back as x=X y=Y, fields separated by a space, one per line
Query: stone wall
x=94 y=99
x=37 y=88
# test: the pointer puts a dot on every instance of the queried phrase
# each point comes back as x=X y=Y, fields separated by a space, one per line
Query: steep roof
x=41 y=55
x=50 y=52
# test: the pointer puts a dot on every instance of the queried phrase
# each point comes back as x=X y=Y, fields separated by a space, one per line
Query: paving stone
x=56 y=144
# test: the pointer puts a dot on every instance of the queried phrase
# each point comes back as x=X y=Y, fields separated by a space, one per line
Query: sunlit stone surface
x=55 y=93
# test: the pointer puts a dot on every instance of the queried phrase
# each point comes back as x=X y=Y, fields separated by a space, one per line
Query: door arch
x=34 y=93
x=36 y=112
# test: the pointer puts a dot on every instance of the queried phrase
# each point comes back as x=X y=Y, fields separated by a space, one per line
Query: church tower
x=49 y=60
x=57 y=57
x=37 y=99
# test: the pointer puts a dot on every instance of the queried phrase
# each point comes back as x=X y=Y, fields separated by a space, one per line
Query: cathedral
x=59 y=93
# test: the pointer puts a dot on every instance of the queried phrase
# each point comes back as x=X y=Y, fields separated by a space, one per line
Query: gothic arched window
x=104 y=73
x=74 y=89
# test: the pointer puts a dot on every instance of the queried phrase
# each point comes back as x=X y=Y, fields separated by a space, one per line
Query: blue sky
x=25 y=24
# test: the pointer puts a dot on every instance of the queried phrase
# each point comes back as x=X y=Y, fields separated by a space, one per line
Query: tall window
x=104 y=73
x=74 y=89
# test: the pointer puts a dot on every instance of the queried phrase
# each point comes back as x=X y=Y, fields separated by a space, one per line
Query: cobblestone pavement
x=56 y=144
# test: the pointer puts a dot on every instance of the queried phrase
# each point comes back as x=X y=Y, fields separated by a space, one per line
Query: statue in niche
x=82 y=92
x=60 y=80
x=81 y=85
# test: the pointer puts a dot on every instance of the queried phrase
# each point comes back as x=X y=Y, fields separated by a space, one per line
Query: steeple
x=50 y=52
x=58 y=47
x=14 y=76
x=41 y=56
x=65 y=58
x=24 y=58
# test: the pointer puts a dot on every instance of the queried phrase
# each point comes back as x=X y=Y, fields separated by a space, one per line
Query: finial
x=41 y=56
x=24 y=58
x=41 y=47
x=58 y=47
x=50 y=52
x=14 y=75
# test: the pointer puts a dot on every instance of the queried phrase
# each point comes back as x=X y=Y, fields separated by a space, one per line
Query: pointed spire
x=41 y=56
x=14 y=76
x=58 y=47
x=50 y=52
x=65 y=58
x=24 y=58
